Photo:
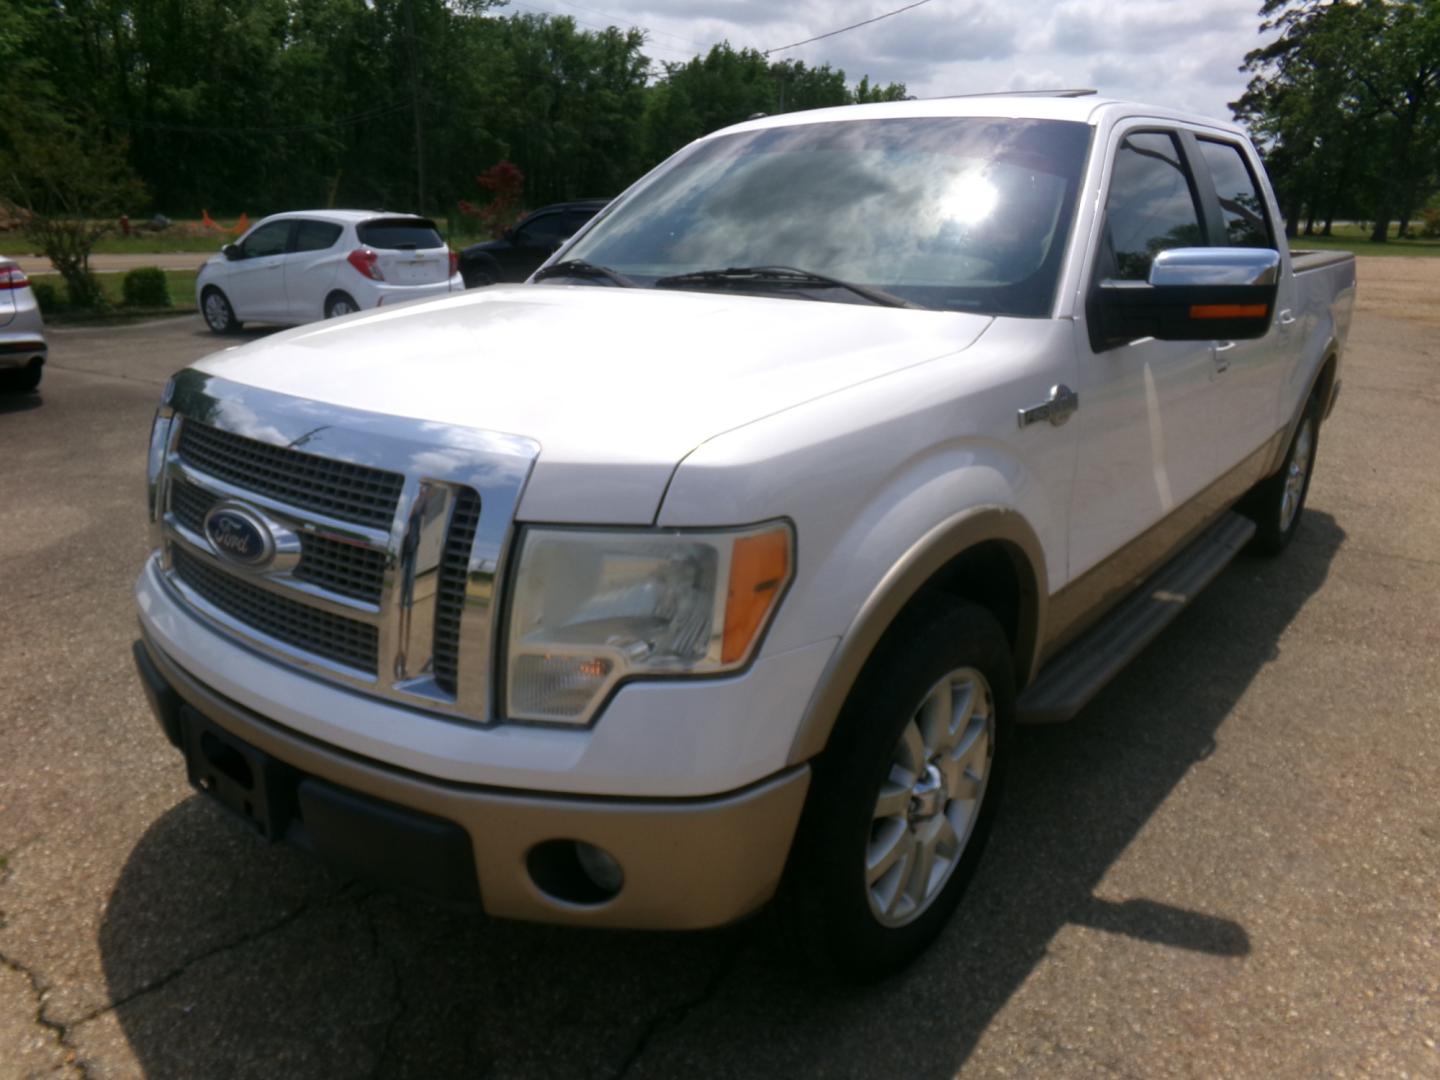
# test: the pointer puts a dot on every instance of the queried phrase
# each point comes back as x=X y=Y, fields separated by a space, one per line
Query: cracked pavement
x=1229 y=865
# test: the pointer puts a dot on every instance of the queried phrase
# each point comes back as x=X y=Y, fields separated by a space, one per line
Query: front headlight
x=159 y=441
x=590 y=608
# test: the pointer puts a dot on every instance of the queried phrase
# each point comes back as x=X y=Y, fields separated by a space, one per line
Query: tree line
x=1345 y=103
x=262 y=105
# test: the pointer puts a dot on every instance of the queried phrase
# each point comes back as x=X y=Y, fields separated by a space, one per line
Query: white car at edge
x=305 y=265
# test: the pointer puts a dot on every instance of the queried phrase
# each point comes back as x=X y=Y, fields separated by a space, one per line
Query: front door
x=256 y=281
x=1148 y=408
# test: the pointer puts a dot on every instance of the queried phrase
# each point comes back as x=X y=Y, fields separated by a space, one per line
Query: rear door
x=311 y=266
x=1249 y=374
x=255 y=283
x=410 y=249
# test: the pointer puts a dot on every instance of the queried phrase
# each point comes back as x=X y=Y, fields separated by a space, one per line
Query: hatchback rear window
x=399 y=234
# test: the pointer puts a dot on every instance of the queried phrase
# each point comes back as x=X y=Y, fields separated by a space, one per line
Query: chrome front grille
x=349 y=569
x=387 y=537
x=450 y=604
x=334 y=637
x=356 y=493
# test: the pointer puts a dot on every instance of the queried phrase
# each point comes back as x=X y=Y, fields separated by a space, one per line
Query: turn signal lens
x=759 y=568
x=1229 y=311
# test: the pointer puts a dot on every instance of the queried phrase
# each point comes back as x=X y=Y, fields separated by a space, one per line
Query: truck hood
x=617 y=385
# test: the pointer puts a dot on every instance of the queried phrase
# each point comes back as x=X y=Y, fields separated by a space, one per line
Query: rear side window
x=1240 y=202
x=1152 y=205
x=316 y=235
x=400 y=234
x=575 y=218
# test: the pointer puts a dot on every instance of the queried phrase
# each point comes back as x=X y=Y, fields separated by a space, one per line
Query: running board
x=1077 y=674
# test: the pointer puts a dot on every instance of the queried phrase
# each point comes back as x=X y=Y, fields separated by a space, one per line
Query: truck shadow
x=225 y=958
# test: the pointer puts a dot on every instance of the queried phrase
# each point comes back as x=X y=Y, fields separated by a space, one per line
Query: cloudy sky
x=1164 y=52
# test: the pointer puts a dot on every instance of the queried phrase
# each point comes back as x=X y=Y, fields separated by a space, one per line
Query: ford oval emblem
x=239 y=535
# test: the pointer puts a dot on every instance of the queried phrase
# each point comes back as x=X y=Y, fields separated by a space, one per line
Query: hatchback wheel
x=340 y=304
x=219 y=315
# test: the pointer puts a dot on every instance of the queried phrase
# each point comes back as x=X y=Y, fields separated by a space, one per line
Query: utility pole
x=420 y=200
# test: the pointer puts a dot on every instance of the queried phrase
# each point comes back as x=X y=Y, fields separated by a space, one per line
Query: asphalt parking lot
x=1229 y=865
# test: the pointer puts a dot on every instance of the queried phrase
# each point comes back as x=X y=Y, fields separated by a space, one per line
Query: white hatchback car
x=310 y=264
x=22 y=331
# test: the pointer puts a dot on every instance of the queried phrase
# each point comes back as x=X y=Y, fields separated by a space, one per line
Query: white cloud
x=1163 y=52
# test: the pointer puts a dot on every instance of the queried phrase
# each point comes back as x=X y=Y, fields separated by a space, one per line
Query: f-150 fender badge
x=1063 y=401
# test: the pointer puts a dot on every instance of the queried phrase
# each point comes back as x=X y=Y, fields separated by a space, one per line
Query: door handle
x=1222 y=358
x=1286 y=317
x=1063 y=402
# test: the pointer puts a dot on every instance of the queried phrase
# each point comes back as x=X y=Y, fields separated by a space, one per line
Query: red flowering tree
x=506 y=185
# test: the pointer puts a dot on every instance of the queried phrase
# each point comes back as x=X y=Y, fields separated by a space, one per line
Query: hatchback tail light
x=454 y=261
x=367 y=262
x=12 y=277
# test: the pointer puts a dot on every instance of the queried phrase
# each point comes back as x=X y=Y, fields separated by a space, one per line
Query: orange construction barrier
x=235 y=230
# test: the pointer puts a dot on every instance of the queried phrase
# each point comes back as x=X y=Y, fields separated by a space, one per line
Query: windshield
x=951 y=213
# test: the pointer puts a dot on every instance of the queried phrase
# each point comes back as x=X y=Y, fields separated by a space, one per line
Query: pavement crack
x=60 y=1031
x=161 y=981
x=677 y=1013
x=397 y=988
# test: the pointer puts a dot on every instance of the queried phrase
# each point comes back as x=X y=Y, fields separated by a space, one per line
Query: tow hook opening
x=575 y=872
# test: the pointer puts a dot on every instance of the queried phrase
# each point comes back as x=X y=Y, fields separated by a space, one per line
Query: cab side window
x=544 y=231
x=316 y=235
x=1151 y=207
x=267 y=240
x=1240 y=202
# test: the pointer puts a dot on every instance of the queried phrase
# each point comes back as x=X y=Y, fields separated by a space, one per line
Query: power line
x=843 y=29
x=287 y=129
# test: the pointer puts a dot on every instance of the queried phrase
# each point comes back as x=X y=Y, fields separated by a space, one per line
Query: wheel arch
x=1322 y=382
x=988 y=555
x=332 y=295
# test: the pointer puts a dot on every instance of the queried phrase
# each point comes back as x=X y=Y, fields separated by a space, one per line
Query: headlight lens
x=159 y=439
x=590 y=608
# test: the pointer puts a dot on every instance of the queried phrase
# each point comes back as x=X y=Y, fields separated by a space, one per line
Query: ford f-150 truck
x=715 y=564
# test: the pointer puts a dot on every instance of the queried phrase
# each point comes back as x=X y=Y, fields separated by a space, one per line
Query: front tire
x=219 y=315
x=903 y=797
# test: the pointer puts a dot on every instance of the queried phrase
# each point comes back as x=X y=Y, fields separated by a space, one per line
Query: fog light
x=600 y=867
x=574 y=872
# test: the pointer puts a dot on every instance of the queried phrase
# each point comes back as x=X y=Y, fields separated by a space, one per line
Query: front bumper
x=686 y=863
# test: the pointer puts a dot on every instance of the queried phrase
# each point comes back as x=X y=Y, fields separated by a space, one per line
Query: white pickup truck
x=715 y=564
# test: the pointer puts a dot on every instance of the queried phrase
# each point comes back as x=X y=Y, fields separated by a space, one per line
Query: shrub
x=506 y=185
x=45 y=295
x=1430 y=223
x=83 y=290
x=146 y=287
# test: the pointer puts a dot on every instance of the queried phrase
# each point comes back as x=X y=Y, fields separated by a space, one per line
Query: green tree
x=1346 y=102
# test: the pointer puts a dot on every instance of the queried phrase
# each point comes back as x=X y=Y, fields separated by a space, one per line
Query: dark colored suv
x=519 y=253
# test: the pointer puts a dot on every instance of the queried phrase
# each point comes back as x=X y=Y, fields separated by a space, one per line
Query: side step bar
x=1079 y=673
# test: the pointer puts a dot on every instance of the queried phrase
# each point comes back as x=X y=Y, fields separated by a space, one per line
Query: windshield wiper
x=779 y=275
x=582 y=269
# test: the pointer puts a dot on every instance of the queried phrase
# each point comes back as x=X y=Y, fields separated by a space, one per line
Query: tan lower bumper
x=687 y=864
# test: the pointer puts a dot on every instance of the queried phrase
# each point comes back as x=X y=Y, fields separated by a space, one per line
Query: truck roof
x=1063 y=105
